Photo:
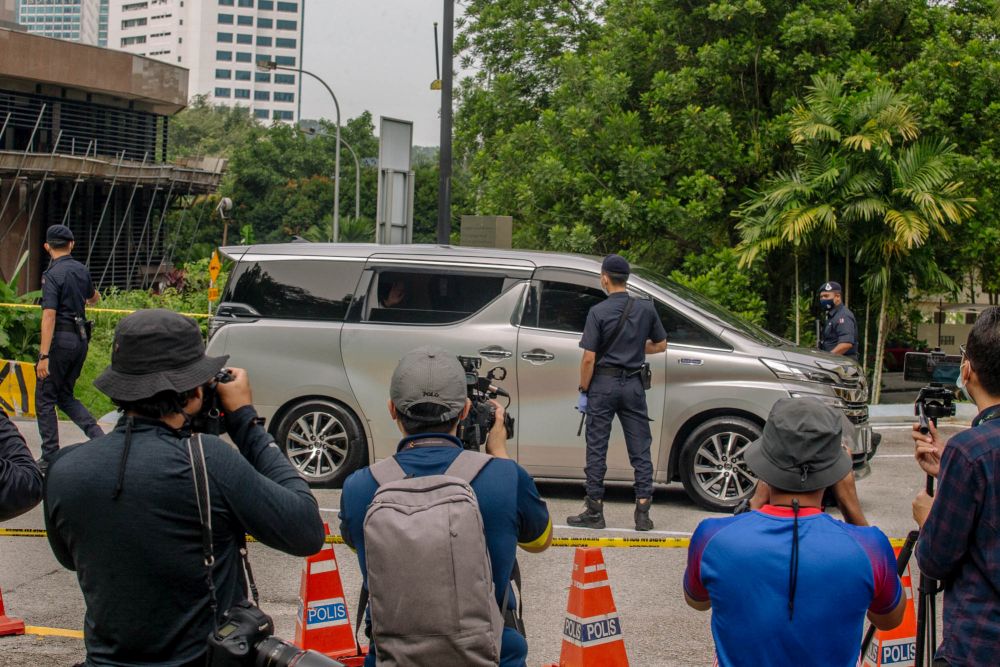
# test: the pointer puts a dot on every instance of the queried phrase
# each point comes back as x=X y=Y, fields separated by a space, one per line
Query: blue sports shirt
x=513 y=513
x=742 y=564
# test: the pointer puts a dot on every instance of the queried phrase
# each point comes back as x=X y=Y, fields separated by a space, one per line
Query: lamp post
x=444 y=167
x=357 y=175
x=271 y=65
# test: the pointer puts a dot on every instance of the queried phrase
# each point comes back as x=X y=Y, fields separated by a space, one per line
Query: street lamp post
x=444 y=168
x=271 y=65
x=357 y=175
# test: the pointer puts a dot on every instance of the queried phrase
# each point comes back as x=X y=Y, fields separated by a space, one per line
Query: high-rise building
x=220 y=42
x=102 y=23
x=75 y=20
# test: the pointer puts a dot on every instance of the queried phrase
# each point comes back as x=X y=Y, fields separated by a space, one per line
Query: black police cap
x=615 y=264
x=830 y=287
x=58 y=234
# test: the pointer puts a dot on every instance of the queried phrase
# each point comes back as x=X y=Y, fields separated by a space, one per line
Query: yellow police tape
x=611 y=542
x=122 y=311
x=17 y=387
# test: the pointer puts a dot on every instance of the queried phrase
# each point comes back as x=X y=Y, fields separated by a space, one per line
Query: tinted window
x=410 y=297
x=559 y=306
x=683 y=331
x=295 y=289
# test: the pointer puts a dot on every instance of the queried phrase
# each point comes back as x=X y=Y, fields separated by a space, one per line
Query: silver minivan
x=320 y=327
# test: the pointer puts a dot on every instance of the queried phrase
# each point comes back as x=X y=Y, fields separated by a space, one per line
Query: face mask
x=827 y=304
x=961 y=385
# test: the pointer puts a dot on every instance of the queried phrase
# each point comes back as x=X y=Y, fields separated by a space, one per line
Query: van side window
x=299 y=289
x=415 y=297
x=683 y=331
x=559 y=306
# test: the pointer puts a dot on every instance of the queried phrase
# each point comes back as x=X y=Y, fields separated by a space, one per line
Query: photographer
x=787 y=583
x=960 y=526
x=428 y=400
x=20 y=478
x=121 y=509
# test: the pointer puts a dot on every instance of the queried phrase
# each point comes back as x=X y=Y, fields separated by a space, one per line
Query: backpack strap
x=467 y=465
x=387 y=470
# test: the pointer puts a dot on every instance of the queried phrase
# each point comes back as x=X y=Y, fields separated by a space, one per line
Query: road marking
x=894 y=456
x=630 y=530
x=52 y=632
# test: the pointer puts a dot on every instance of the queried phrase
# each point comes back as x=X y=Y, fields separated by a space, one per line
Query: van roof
x=417 y=251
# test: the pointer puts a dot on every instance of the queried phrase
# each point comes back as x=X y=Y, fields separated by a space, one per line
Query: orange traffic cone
x=8 y=625
x=592 y=631
x=896 y=647
x=323 y=623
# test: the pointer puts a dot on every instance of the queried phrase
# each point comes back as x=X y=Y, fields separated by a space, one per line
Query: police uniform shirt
x=629 y=349
x=840 y=328
x=66 y=286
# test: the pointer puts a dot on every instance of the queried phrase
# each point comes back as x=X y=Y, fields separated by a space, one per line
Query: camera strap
x=199 y=471
x=618 y=330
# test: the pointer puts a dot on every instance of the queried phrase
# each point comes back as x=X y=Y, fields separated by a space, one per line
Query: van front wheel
x=323 y=440
x=713 y=470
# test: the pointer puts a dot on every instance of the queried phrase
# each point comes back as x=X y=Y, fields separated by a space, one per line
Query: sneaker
x=642 y=520
x=591 y=517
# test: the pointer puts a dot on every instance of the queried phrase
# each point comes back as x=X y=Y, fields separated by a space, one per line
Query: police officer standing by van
x=67 y=289
x=840 y=334
x=619 y=333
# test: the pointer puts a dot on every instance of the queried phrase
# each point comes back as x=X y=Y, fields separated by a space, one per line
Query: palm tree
x=861 y=174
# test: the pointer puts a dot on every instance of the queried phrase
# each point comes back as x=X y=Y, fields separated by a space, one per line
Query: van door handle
x=538 y=356
x=495 y=353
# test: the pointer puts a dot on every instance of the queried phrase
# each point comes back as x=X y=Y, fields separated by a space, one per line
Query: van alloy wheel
x=712 y=465
x=323 y=440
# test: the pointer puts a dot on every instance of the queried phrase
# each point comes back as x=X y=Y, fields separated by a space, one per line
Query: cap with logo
x=615 y=264
x=425 y=377
x=58 y=234
x=830 y=287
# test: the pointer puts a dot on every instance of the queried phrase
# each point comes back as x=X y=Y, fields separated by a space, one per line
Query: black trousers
x=625 y=397
x=66 y=356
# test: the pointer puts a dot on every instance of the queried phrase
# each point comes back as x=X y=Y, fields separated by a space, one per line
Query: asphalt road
x=659 y=628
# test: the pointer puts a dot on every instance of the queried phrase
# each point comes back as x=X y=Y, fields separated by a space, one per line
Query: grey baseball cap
x=429 y=376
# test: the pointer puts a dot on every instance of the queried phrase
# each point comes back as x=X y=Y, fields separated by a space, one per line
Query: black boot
x=591 y=517
x=642 y=520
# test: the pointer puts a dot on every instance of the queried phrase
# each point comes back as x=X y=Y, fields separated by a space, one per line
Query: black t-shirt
x=66 y=286
x=629 y=349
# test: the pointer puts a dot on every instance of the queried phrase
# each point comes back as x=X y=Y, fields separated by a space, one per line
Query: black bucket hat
x=800 y=449
x=156 y=350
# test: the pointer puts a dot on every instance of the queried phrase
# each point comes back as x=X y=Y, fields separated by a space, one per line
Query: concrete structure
x=83 y=142
x=946 y=323
x=220 y=42
x=74 y=20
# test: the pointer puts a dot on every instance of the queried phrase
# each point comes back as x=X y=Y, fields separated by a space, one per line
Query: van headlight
x=832 y=401
x=798 y=372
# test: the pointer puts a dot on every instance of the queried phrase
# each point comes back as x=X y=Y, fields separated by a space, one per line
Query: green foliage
x=718 y=276
x=19 y=327
x=206 y=129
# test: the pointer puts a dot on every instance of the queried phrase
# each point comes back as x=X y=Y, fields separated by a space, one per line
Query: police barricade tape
x=612 y=542
x=17 y=387
x=120 y=311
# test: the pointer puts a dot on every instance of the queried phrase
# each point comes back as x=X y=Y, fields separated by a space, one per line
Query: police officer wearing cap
x=840 y=334
x=66 y=291
x=619 y=333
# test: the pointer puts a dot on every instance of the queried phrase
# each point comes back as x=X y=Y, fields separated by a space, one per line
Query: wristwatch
x=43 y=357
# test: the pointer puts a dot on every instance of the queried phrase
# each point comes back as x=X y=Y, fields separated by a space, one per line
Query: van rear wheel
x=323 y=440
x=713 y=470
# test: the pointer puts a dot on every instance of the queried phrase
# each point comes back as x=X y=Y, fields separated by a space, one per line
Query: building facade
x=220 y=43
x=74 y=20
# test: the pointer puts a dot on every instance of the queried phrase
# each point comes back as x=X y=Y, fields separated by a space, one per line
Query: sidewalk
x=902 y=413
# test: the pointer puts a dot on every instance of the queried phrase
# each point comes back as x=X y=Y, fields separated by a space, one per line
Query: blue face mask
x=827 y=304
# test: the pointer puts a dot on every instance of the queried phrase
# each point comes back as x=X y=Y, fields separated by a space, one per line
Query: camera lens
x=274 y=652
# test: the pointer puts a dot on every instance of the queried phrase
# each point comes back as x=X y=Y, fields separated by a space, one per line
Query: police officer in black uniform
x=840 y=334
x=619 y=333
x=66 y=290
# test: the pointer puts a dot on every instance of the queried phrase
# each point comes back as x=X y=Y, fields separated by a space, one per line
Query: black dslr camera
x=940 y=371
x=211 y=419
x=475 y=428
x=245 y=639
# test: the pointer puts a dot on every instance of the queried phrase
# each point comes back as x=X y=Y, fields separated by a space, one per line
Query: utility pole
x=444 y=169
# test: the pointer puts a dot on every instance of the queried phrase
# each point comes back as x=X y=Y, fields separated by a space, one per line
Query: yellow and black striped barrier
x=17 y=387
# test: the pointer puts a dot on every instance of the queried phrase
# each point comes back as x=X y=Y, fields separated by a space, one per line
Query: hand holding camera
x=927 y=449
x=235 y=393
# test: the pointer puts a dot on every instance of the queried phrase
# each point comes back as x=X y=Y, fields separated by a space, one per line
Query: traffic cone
x=322 y=623
x=8 y=625
x=592 y=631
x=896 y=647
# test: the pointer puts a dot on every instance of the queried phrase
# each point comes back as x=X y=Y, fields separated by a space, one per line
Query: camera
x=940 y=371
x=245 y=639
x=475 y=428
x=210 y=419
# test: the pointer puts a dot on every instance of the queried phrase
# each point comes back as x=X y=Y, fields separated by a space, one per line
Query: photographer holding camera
x=121 y=510
x=20 y=478
x=439 y=594
x=960 y=526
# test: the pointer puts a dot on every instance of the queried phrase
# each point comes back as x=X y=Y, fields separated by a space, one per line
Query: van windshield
x=709 y=308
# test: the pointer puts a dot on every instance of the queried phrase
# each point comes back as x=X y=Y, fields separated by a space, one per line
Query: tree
x=206 y=129
x=861 y=166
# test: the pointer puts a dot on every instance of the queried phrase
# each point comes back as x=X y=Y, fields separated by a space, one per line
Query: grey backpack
x=429 y=574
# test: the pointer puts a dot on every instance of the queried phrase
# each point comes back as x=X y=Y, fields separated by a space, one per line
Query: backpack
x=430 y=579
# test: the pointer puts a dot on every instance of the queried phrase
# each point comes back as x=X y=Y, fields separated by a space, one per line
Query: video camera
x=210 y=419
x=246 y=639
x=940 y=371
x=474 y=430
